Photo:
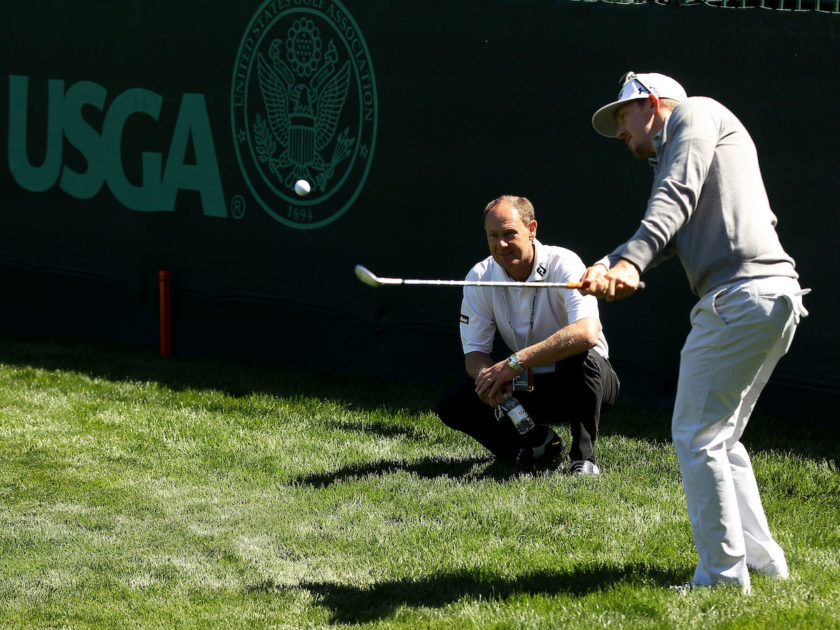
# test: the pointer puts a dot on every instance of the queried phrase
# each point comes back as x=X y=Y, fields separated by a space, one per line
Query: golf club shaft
x=371 y=279
x=489 y=283
x=484 y=283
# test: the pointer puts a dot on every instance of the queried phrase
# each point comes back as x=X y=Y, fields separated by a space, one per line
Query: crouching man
x=559 y=368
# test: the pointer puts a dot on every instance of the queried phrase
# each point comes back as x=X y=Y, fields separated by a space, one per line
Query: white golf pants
x=738 y=335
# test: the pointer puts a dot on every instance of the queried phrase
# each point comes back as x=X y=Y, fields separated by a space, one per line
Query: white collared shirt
x=484 y=310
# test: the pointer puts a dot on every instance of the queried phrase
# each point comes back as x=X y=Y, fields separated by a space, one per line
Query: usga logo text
x=160 y=176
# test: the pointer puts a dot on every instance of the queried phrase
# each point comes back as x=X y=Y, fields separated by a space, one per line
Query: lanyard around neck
x=530 y=325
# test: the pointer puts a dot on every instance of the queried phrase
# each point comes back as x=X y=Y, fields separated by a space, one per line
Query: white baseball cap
x=634 y=87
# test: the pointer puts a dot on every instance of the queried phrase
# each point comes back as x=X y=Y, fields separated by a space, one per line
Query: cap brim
x=604 y=119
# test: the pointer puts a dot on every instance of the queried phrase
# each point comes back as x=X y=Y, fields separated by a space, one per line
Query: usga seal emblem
x=304 y=106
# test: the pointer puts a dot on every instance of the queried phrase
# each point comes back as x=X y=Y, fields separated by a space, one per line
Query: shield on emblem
x=302 y=140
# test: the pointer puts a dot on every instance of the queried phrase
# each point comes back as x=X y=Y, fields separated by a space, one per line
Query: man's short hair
x=522 y=205
x=669 y=103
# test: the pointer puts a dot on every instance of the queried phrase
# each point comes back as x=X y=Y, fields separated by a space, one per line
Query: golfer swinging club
x=708 y=206
x=554 y=333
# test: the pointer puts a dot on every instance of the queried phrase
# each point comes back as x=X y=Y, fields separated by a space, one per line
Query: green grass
x=144 y=492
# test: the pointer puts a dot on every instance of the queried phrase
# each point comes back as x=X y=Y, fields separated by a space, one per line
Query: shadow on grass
x=236 y=378
x=352 y=604
x=429 y=468
x=377 y=427
x=817 y=438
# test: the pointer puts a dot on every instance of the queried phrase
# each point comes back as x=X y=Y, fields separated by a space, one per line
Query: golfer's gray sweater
x=708 y=204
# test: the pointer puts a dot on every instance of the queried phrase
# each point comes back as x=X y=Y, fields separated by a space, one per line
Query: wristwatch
x=513 y=362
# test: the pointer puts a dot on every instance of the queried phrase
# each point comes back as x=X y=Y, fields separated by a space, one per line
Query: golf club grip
x=578 y=285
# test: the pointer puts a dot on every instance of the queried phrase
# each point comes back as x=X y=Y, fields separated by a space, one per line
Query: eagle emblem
x=304 y=95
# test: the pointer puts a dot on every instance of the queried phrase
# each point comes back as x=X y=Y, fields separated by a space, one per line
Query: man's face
x=510 y=240
x=636 y=127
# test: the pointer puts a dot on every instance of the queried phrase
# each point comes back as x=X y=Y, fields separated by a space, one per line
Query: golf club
x=371 y=279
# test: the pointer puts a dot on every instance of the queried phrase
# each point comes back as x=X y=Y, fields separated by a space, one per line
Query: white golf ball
x=302 y=187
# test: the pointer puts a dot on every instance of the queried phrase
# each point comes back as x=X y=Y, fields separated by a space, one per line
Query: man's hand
x=619 y=282
x=492 y=383
x=593 y=280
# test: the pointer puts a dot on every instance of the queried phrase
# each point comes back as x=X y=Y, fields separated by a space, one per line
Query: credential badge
x=304 y=106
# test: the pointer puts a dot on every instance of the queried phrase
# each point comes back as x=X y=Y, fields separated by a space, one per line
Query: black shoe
x=545 y=452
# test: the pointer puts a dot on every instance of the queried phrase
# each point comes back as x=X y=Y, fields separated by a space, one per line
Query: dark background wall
x=474 y=98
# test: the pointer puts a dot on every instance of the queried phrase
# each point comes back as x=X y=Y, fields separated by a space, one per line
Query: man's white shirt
x=509 y=310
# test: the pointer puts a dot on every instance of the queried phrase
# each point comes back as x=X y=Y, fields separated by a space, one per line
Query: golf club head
x=366 y=276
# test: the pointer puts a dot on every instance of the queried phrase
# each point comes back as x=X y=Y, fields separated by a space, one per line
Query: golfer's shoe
x=546 y=451
x=777 y=569
x=583 y=467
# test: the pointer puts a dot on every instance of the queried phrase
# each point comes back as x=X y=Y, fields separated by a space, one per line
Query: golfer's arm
x=574 y=339
x=475 y=361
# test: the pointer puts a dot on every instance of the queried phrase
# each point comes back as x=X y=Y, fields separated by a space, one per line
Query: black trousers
x=580 y=389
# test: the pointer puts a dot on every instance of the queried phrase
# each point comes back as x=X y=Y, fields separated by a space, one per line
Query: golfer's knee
x=685 y=437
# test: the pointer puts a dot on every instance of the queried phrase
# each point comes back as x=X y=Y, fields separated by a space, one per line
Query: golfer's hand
x=492 y=383
x=594 y=282
x=619 y=282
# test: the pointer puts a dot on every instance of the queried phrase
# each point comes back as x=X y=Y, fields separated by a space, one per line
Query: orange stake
x=165 y=315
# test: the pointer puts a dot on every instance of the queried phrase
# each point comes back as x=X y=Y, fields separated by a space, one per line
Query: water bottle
x=517 y=414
